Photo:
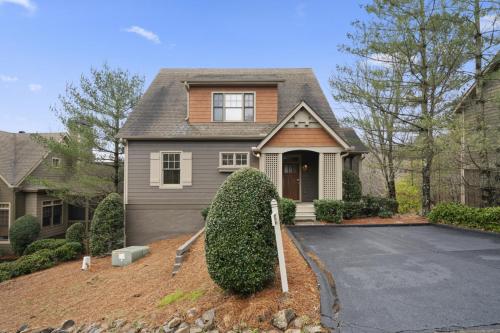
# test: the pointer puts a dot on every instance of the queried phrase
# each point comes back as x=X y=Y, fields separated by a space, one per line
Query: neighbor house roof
x=161 y=112
x=20 y=154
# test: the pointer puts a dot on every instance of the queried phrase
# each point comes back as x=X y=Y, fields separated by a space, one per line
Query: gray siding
x=154 y=213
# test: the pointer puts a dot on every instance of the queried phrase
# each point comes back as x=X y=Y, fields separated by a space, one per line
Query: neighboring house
x=193 y=127
x=21 y=158
x=466 y=110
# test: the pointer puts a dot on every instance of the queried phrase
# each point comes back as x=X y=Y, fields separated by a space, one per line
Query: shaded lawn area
x=134 y=292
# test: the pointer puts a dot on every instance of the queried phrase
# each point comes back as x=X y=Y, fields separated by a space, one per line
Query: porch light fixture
x=305 y=167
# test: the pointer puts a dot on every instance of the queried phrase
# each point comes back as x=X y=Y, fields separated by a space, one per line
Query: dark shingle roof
x=161 y=112
x=20 y=154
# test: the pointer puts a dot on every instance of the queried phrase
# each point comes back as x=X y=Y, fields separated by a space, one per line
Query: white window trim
x=58 y=162
x=170 y=186
x=9 y=216
x=52 y=203
x=243 y=107
x=230 y=168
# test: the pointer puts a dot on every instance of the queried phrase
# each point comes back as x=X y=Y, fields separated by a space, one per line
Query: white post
x=275 y=218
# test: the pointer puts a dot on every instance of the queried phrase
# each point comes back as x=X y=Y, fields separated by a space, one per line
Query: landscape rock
x=195 y=329
x=22 y=328
x=119 y=323
x=45 y=330
x=282 y=318
x=300 y=322
x=67 y=325
x=182 y=328
x=293 y=330
x=191 y=313
x=206 y=322
x=174 y=322
x=313 y=329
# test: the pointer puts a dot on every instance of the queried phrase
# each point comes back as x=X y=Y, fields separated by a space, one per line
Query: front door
x=291 y=180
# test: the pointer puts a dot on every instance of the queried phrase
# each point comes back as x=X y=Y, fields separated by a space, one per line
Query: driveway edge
x=329 y=303
x=361 y=225
x=459 y=228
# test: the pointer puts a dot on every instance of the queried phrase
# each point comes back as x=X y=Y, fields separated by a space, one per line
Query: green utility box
x=127 y=255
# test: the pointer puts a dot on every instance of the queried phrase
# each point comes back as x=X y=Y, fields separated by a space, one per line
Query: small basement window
x=233 y=107
x=233 y=160
x=56 y=162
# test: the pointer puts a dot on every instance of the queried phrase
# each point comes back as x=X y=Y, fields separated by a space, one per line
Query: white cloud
x=490 y=23
x=149 y=35
x=7 y=78
x=26 y=4
x=35 y=87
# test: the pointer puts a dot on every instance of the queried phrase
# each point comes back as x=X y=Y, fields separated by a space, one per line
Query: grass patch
x=180 y=295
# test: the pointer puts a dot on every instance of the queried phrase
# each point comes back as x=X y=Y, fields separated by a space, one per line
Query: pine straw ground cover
x=135 y=292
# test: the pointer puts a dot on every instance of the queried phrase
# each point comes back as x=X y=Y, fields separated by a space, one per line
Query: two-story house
x=193 y=127
x=22 y=159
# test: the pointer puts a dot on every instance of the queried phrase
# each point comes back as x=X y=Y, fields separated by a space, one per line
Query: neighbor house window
x=171 y=168
x=233 y=160
x=51 y=212
x=56 y=162
x=4 y=221
x=233 y=107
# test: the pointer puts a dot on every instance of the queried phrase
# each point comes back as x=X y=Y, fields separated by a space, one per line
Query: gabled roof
x=20 y=155
x=492 y=66
x=161 y=112
x=303 y=106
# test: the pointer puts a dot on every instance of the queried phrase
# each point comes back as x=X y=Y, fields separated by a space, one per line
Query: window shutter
x=154 y=169
x=186 y=168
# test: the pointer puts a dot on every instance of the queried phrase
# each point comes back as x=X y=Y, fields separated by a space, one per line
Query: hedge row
x=335 y=210
x=45 y=257
x=458 y=214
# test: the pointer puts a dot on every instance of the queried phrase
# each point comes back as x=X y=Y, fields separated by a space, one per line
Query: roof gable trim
x=306 y=107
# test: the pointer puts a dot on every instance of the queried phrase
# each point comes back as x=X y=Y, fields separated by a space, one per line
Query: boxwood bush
x=23 y=232
x=68 y=251
x=353 y=209
x=240 y=248
x=76 y=233
x=106 y=232
x=48 y=243
x=288 y=208
x=351 y=186
x=32 y=263
x=458 y=214
x=204 y=213
x=329 y=210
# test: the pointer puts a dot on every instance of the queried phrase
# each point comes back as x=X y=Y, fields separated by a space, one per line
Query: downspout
x=186 y=85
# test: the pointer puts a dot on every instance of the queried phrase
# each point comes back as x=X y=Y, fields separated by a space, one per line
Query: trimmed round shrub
x=329 y=210
x=23 y=232
x=76 y=233
x=288 y=208
x=68 y=251
x=4 y=276
x=240 y=248
x=351 y=186
x=106 y=231
x=31 y=263
x=41 y=244
x=385 y=214
x=353 y=209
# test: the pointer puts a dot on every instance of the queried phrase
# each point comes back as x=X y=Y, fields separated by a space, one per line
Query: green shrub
x=351 y=186
x=458 y=214
x=373 y=205
x=288 y=208
x=106 y=232
x=352 y=209
x=68 y=251
x=408 y=197
x=6 y=266
x=4 y=276
x=23 y=232
x=329 y=210
x=204 y=213
x=239 y=238
x=385 y=214
x=31 y=263
x=76 y=233
x=48 y=243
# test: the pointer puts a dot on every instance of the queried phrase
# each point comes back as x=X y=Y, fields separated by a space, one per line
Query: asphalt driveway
x=409 y=278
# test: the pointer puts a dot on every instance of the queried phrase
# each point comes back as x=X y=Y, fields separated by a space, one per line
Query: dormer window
x=233 y=107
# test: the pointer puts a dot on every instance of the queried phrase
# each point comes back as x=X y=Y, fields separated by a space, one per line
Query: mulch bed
x=105 y=293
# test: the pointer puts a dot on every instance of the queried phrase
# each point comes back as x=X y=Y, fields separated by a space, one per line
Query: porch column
x=330 y=176
x=272 y=165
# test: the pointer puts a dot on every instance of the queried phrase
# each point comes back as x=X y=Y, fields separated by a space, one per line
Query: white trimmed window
x=233 y=107
x=4 y=221
x=233 y=160
x=171 y=168
x=51 y=212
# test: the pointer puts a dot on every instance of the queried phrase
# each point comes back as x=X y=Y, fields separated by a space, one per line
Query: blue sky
x=48 y=43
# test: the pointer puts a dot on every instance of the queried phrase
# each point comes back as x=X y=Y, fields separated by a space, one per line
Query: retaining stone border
x=183 y=249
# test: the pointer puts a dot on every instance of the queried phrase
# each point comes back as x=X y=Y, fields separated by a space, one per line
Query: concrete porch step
x=305 y=212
